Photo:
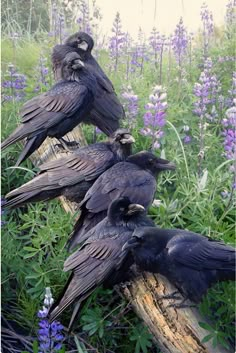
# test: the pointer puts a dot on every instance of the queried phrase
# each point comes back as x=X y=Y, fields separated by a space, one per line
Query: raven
x=107 y=109
x=135 y=178
x=72 y=175
x=100 y=260
x=57 y=111
x=192 y=262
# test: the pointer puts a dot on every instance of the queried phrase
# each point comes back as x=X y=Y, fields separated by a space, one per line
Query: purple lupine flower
x=208 y=27
x=13 y=85
x=180 y=42
x=58 y=25
x=229 y=143
x=232 y=91
x=42 y=73
x=187 y=138
x=223 y=59
x=157 y=43
x=116 y=42
x=229 y=133
x=49 y=334
x=206 y=92
x=83 y=19
x=230 y=13
x=138 y=57
x=155 y=117
x=94 y=24
x=139 y=54
x=130 y=102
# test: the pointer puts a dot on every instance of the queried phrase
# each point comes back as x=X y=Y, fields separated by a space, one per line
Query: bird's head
x=122 y=136
x=122 y=210
x=80 y=40
x=145 y=245
x=141 y=237
x=150 y=162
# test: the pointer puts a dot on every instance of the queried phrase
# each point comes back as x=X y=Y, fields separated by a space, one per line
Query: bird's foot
x=69 y=146
x=173 y=295
x=59 y=148
x=125 y=284
x=181 y=305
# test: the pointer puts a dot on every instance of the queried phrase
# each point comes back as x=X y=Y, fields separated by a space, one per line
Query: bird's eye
x=150 y=160
x=122 y=209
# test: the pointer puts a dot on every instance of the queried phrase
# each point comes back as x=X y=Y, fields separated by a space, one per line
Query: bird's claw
x=181 y=305
x=59 y=148
x=68 y=146
x=125 y=284
x=173 y=295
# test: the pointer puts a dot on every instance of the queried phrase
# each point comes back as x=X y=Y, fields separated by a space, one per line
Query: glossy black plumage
x=100 y=260
x=135 y=178
x=192 y=262
x=107 y=109
x=55 y=112
x=73 y=174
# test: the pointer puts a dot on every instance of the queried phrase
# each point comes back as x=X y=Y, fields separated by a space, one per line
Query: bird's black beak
x=134 y=208
x=83 y=45
x=131 y=243
x=165 y=165
x=127 y=139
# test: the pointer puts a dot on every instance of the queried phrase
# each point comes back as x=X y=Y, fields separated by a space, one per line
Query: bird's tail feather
x=31 y=145
x=16 y=136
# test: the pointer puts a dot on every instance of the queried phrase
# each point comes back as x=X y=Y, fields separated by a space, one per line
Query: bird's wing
x=91 y=266
x=123 y=179
x=107 y=109
x=86 y=164
x=48 y=109
x=99 y=248
x=198 y=252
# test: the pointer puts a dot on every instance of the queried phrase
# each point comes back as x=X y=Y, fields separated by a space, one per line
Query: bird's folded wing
x=96 y=249
x=201 y=253
x=123 y=179
x=46 y=110
x=87 y=165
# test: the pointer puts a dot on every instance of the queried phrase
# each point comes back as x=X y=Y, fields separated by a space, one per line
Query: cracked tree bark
x=174 y=330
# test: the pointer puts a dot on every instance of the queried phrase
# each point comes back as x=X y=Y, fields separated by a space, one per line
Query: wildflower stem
x=182 y=147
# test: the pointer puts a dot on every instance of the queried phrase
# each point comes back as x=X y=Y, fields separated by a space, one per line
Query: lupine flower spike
x=155 y=117
x=50 y=335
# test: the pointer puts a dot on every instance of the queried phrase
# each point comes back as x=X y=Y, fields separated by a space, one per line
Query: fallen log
x=174 y=330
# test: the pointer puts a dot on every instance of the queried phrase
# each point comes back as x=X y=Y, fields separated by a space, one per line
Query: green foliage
x=34 y=237
x=142 y=337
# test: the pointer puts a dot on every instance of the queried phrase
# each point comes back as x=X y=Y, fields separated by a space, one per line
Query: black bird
x=192 y=262
x=57 y=111
x=73 y=174
x=100 y=260
x=107 y=109
x=135 y=178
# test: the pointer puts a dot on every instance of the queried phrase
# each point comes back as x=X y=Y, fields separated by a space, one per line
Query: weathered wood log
x=174 y=330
